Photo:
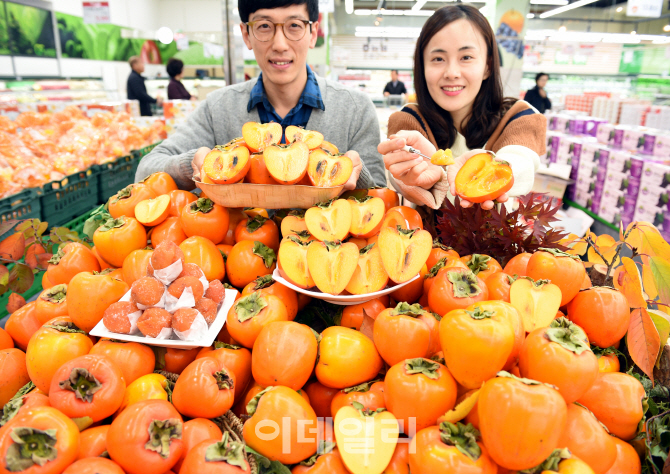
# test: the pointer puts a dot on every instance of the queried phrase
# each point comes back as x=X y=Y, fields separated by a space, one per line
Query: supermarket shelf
x=592 y=214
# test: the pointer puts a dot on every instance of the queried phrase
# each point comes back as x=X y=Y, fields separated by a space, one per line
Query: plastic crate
x=69 y=197
x=22 y=205
x=116 y=175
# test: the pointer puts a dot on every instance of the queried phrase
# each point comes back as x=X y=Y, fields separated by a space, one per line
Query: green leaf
x=21 y=278
x=660 y=269
x=266 y=466
x=662 y=323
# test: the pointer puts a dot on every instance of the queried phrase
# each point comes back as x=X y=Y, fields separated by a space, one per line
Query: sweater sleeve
x=366 y=137
x=403 y=121
x=174 y=155
x=529 y=131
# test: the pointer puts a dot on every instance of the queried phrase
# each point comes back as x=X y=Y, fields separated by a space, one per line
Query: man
x=136 y=88
x=537 y=96
x=395 y=87
x=280 y=33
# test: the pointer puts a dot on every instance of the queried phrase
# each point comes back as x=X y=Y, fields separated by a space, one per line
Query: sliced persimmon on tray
x=369 y=276
x=287 y=164
x=367 y=215
x=403 y=251
x=330 y=220
x=326 y=170
x=292 y=262
x=332 y=264
x=311 y=138
x=258 y=136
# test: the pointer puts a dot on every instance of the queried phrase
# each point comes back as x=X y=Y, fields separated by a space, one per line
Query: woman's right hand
x=406 y=167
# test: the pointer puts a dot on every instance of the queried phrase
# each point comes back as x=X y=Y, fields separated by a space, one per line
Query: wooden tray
x=267 y=196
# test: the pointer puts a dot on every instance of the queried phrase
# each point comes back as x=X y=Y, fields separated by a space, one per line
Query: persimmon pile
x=472 y=367
x=259 y=157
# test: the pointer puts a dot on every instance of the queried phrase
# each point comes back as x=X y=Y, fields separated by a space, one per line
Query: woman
x=461 y=107
x=176 y=90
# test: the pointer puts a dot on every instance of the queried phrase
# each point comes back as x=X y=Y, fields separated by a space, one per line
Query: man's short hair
x=247 y=7
x=133 y=60
x=539 y=75
x=394 y=70
x=174 y=67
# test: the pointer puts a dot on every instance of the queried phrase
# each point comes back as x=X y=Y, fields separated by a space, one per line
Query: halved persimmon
x=227 y=165
x=327 y=170
x=287 y=164
x=258 y=173
x=123 y=203
x=329 y=147
x=292 y=262
x=311 y=138
x=330 y=220
x=484 y=178
x=259 y=136
x=293 y=223
x=402 y=216
x=367 y=215
x=369 y=275
x=151 y=212
x=332 y=264
x=404 y=252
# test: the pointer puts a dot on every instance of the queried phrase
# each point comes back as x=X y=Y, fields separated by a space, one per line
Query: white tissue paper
x=160 y=304
x=198 y=329
x=132 y=318
x=186 y=300
x=170 y=273
x=166 y=333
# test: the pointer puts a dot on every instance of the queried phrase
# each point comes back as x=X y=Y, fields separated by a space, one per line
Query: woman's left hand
x=409 y=168
x=452 y=171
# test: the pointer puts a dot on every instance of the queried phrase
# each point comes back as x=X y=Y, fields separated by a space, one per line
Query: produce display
x=40 y=147
x=523 y=360
x=257 y=157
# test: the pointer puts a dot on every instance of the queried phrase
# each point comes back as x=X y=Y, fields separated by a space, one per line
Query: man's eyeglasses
x=264 y=30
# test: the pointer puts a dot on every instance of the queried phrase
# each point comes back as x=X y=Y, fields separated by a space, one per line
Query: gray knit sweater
x=349 y=122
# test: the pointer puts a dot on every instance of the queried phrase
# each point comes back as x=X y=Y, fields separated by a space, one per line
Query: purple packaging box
x=561 y=123
x=602 y=157
x=624 y=162
x=629 y=205
x=657 y=143
x=654 y=197
x=621 y=183
x=591 y=125
x=655 y=174
x=633 y=139
x=583 y=198
x=576 y=125
x=611 y=210
x=588 y=152
x=605 y=133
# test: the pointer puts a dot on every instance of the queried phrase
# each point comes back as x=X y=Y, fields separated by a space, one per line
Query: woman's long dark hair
x=489 y=106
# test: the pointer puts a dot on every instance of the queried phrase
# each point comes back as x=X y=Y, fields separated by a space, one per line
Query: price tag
x=96 y=12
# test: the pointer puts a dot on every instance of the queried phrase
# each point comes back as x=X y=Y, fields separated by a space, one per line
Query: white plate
x=101 y=331
x=344 y=300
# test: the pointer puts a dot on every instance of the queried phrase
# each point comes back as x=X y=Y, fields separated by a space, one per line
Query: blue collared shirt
x=299 y=115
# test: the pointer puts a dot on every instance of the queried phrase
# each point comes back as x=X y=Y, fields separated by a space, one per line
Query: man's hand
x=159 y=100
x=408 y=168
x=452 y=171
x=358 y=166
x=199 y=160
x=386 y=94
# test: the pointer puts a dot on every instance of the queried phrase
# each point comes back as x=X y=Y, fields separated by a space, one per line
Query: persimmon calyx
x=300 y=214
x=406 y=309
x=439 y=245
x=299 y=239
x=438 y=359
x=480 y=313
x=511 y=279
x=316 y=335
x=263 y=282
x=437 y=317
x=249 y=307
x=255 y=223
x=161 y=433
x=568 y=335
x=25 y=390
x=82 y=383
x=266 y=253
x=462 y=437
x=125 y=193
x=408 y=232
x=366 y=249
x=536 y=283
x=55 y=258
x=332 y=245
x=325 y=447
x=104 y=272
x=223 y=380
x=558 y=253
x=360 y=200
x=226 y=450
x=55 y=294
x=441 y=263
x=465 y=284
x=358 y=406
x=422 y=366
x=31 y=447
x=10 y=410
x=478 y=263
x=225 y=345
x=364 y=387
x=551 y=463
x=253 y=403
x=65 y=326
x=325 y=204
x=203 y=205
x=112 y=224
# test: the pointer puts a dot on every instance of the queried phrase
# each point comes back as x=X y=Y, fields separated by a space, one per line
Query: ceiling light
x=562 y=29
x=530 y=15
x=666 y=28
x=367 y=12
x=621 y=38
x=376 y=22
x=633 y=32
x=387 y=32
x=549 y=2
x=419 y=4
x=165 y=35
x=349 y=6
x=619 y=10
x=565 y=8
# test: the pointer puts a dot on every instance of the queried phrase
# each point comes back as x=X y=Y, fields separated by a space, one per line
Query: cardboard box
x=655 y=174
